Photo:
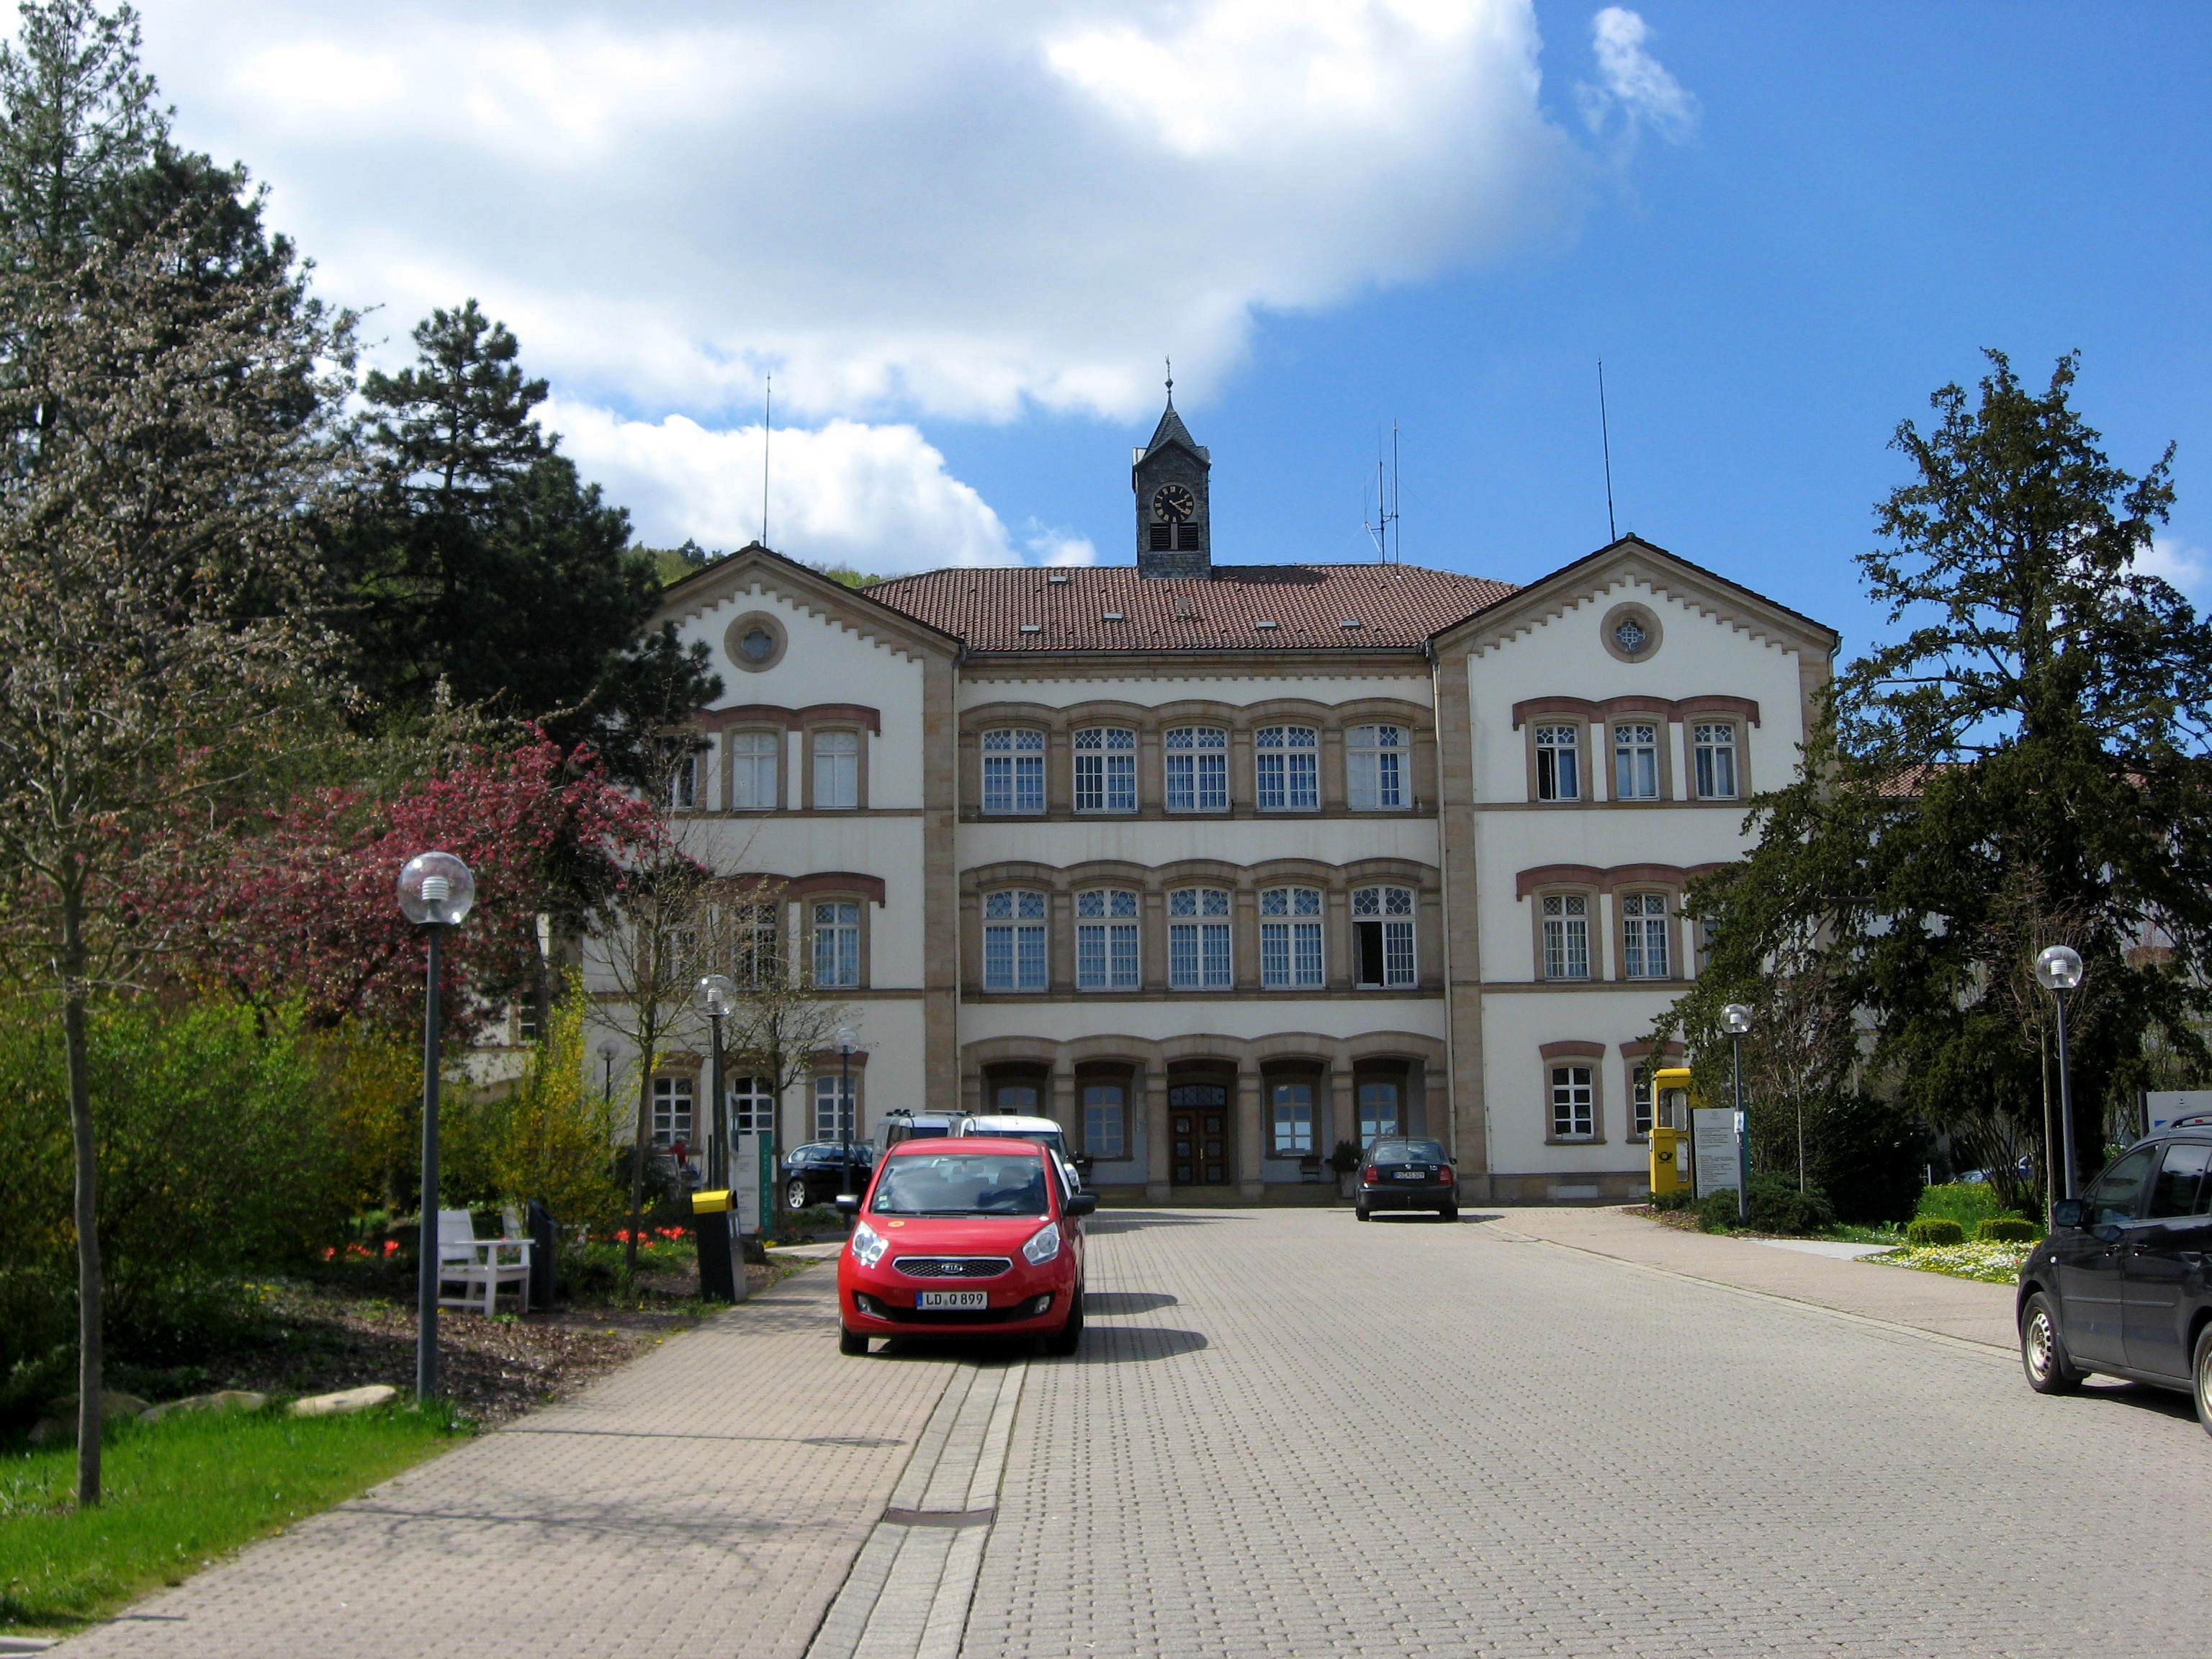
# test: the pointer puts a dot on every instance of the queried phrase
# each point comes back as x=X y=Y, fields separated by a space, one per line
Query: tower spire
x=1171 y=362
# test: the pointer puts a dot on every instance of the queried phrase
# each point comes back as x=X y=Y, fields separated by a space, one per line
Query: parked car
x=1043 y=1130
x=903 y=1125
x=2120 y=1286
x=1398 y=1174
x=815 y=1173
x=964 y=1237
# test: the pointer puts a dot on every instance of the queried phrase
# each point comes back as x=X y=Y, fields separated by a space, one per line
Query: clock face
x=1174 y=503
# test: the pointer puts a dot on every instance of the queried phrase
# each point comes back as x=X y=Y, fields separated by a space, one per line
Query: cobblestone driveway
x=1292 y=1435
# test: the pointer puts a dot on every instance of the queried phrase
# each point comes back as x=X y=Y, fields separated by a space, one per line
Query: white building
x=1222 y=865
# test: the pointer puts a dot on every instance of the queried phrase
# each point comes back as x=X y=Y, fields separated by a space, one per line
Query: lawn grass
x=181 y=1493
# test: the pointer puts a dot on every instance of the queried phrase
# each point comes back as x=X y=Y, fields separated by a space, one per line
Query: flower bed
x=1986 y=1264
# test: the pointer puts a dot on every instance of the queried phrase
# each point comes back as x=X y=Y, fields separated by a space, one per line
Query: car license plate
x=1412 y=1175
x=952 y=1299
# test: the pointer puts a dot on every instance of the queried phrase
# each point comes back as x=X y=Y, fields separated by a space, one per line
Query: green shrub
x=1969 y=1203
x=1933 y=1232
x=1717 y=1211
x=1682 y=1198
x=1776 y=1206
x=2007 y=1230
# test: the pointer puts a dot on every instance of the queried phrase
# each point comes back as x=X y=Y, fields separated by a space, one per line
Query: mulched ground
x=332 y=1337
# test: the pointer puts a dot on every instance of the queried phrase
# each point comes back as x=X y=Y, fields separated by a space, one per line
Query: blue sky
x=961 y=236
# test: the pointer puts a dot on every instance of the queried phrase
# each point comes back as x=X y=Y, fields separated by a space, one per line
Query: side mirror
x=2070 y=1211
x=1079 y=1204
x=848 y=1203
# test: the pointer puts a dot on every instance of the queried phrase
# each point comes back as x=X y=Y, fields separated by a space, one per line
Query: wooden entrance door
x=1200 y=1133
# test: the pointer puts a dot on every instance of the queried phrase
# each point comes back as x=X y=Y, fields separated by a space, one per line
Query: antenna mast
x=1386 y=500
x=1605 y=436
x=767 y=409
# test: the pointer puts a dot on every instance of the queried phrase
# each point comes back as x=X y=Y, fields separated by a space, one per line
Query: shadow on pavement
x=1110 y=1345
x=1425 y=1218
x=1128 y=1221
x=1098 y=1302
x=2165 y=1402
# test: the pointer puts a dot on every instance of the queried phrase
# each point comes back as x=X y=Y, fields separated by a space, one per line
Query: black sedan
x=815 y=1173
x=1407 y=1175
x=2120 y=1286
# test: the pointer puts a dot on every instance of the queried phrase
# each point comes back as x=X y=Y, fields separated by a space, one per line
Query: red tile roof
x=1029 y=609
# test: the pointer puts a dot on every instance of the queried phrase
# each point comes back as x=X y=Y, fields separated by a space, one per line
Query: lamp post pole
x=716 y=994
x=436 y=891
x=607 y=1052
x=2059 y=970
x=1737 y=1019
x=846 y=1041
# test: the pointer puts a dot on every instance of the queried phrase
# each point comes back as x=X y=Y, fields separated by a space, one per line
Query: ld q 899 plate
x=952 y=1299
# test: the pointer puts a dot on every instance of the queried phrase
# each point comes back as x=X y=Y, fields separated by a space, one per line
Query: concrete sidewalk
x=1949 y=1307
x=708 y=1499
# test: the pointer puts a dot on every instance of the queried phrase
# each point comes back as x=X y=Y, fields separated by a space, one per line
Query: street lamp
x=2058 y=970
x=716 y=995
x=848 y=1039
x=1736 y=1019
x=435 y=892
x=607 y=1053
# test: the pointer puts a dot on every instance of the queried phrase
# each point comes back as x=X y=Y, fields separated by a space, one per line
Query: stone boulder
x=344 y=1400
x=59 y=1423
x=223 y=1400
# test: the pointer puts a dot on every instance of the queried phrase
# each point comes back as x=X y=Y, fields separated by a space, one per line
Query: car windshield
x=960 y=1183
x=1406 y=1152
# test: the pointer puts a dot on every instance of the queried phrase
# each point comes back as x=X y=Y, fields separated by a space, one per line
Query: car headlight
x=868 y=1245
x=1043 y=1245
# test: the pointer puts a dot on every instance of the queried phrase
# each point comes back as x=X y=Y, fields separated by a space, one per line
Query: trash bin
x=721 y=1277
x=544 y=1247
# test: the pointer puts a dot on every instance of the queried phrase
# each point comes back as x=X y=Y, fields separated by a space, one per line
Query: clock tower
x=1174 y=529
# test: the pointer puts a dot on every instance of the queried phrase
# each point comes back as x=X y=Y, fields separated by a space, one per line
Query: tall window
x=1106 y=769
x=672 y=1110
x=1566 y=936
x=1376 y=757
x=1714 y=743
x=753 y=759
x=830 y=1092
x=837 y=770
x=1639 y=1100
x=1106 y=1120
x=1574 y=1104
x=1013 y=941
x=837 y=943
x=1383 y=936
x=1290 y=939
x=1635 y=761
x=754 y=958
x=1290 y=1125
x=752 y=1106
x=1198 y=768
x=687 y=782
x=1013 y=770
x=1289 y=759
x=1198 y=939
x=1559 y=763
x=1106 y=940
x=1644 y=936
x=1379 y=1114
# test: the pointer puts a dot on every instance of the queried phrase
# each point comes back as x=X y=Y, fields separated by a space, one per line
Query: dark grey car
x=1398 y=1173
x=815 y=1173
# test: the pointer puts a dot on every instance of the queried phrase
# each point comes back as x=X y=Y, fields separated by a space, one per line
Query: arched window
x=671 y=1110
x=1574 y=1104
x=1644 y=936
x=1383 y=936
x=1106 y=769
x=753 y=759
x=752 y=1106
x=1290 y=939
x=1559 y=763
x=1013 y=941
x=1105 y=1118
x=1714 y=743
x=1290 y=1118
x=1381 y=1108
x=1566 y=936
x=1289 y=769
x=836 y=770
x=1198 y=768
x=1106 y=957
x=1376 y=759
x=837 y=943
x=1636 y=761
x=1013 y=770
x=1198 y=939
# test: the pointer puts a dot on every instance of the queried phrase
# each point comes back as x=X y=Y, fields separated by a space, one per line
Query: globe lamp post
x=607 y=1053
x=1736 y=1019
x=436 y=891
x=2058 y=970
x=716 y=995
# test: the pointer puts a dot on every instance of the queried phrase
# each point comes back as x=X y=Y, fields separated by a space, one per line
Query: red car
x=964 y=1238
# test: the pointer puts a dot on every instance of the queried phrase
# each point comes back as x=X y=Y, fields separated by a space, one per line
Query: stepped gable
x=1025 y=609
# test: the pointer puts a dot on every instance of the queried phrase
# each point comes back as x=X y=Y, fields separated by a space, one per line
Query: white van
x=1009 y=1128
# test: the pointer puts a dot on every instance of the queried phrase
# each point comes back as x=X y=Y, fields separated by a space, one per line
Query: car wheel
x=1362 y=1211
x=850 y=1341
x=2043 y=1351
x=2203 y=1373
x=1069 y=1337
x=1449 y=1213
x=794 y=1195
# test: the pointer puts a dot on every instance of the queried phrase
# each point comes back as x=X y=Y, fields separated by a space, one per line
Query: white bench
x=482 y=1268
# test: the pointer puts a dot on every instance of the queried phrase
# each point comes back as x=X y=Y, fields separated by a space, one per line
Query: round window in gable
x=1630 y=632
x=755 y=642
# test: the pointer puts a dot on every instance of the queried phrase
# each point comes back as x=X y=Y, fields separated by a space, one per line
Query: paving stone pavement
x=706 y=1500
x=1289 y=1434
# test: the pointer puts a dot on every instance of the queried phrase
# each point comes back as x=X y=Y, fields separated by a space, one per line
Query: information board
x=1719 y=1168
x=2162 y=1106
x=745 y=1180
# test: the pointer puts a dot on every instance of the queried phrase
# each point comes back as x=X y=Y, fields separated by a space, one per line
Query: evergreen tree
x=2028 y=765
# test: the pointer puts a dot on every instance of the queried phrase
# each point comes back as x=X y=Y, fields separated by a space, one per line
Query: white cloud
x=962 y=208
x=2178 y=563
x=1633 y=82
x=877 y=498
